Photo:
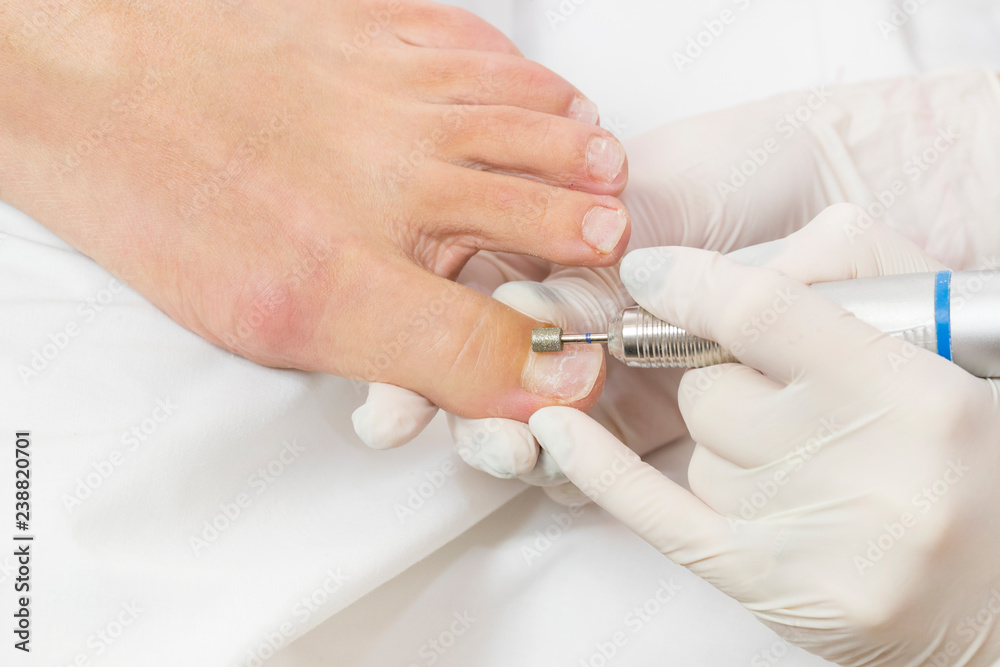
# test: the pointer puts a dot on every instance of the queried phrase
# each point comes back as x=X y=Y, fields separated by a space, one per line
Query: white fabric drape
x=191 y=508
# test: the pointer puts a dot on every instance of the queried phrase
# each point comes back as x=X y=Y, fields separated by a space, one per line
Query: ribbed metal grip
x=903 y=306
x=640 y=340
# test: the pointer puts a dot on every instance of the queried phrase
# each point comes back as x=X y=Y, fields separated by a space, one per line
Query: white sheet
x=327 y=522
x=265 y=456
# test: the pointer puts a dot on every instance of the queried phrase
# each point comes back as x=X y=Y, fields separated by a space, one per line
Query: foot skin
x=298 y=181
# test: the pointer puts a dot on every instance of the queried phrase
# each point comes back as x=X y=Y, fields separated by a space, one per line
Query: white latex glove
x=866 y=144
x=843 y=487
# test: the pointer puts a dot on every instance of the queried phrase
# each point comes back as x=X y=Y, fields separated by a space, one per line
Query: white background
x=324 y=524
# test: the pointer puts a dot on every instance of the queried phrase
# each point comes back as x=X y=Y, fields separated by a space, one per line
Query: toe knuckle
x=539 y=77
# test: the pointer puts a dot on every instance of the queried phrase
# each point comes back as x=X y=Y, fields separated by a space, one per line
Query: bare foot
x=299 y=180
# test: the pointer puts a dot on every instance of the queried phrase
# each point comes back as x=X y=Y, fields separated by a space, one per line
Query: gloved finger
x=663 y=513
x=640 y=407
x=574 y=299
x=500 y=447
x=764 y=318
x=567 y=495
x=504 y=449
x=391 y=416
x=843 y=243
x=704 y=472
x=546 y=472
x=718 y=401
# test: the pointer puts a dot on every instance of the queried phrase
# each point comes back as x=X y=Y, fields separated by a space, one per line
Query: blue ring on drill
x=588 y=338
x=942 y=313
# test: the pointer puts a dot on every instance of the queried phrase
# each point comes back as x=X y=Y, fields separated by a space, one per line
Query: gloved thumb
x=663 y=513
x=391 y=416
x=573 y=299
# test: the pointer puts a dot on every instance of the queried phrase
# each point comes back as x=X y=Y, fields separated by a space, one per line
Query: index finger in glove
x=661 y=512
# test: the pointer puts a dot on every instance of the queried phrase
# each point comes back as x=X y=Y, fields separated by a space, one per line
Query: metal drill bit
x=552 y=339
x=915 y=308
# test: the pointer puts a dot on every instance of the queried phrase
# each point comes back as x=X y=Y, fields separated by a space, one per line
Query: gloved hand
x=735 y=178
x=843 y=487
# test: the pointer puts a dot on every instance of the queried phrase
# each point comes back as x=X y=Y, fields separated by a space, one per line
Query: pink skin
x=299 y=181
